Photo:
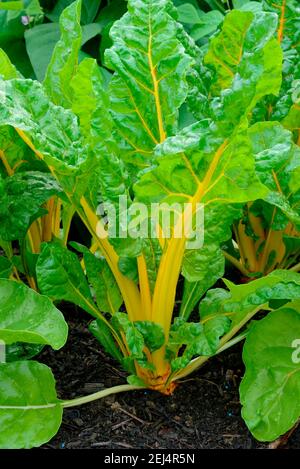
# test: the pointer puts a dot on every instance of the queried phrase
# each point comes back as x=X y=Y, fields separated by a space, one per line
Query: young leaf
x=30 y=413
x=243 y=301
x=200 y=339
x=103 y=334
x=87 y=87
x=153 y=334
x=65 y=57
x=134 y=338
x=107 y=293
x=271 y=383
x=61 y=277
x=26 y=316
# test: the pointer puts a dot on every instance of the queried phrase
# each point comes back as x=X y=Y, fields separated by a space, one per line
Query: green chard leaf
x=139 y=334
x=223 y=313
x=52 y=132
x=103 y=334
x=65 y=57
x=20 y=351
x=199 y=339
x=149 y=85
x=21 y=198
x=243 y=39
x=134 y=338
x=277 y=161
x=30 y=412
x=284 y=107
x=271 y=383
x=88 y=94
x=60 y=276
x=243 y=301
x=152 y=333
x=26 y=316
x=15 y=155
x=106 y=290
x=6 y=267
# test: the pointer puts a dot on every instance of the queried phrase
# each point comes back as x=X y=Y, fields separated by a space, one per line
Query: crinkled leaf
x=149 y=84
x=153 y=334
x=277 y=161
x=134 y=338
x=199 y=338
x=242 y=301
x=52 y=131
x=235 y=50
x=21 y=198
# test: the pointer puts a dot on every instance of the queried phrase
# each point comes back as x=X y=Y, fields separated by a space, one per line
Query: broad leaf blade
x=30 y=413
x=26 y=316
x=235 y=49
x=149 y=84
x=61 y=277
x=271 y=383
x=65 y=57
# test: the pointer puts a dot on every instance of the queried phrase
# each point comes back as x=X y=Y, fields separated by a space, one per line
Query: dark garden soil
x=204 y=411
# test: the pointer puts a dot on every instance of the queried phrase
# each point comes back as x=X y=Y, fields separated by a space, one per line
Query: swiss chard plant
x=125 y=162
x=30 y=212
x=267 y=236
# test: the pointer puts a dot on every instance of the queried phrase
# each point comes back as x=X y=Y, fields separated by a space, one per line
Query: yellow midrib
x=281 y=21
x=171 y=261
x=162 y=133
x=144 y=288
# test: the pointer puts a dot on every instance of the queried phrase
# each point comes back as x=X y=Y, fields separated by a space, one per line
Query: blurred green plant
x=29 y=30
